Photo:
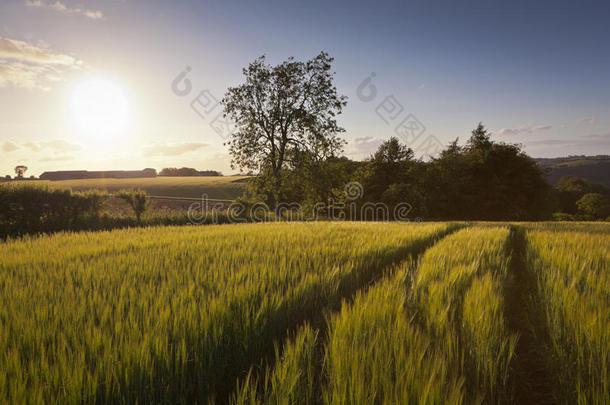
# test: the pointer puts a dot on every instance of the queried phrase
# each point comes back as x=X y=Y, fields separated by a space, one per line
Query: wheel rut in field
x=347 y=292
x=530 y=374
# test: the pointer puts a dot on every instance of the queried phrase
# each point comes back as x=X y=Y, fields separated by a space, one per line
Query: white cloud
x=9 y=146
x=363 y=146
x=30 y=66
x=171 y=149
x=64 y=9
x=526 y=129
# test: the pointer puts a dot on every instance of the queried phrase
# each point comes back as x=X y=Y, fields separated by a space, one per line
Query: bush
x=562 y=216
x=26 y=208
x=136 y=199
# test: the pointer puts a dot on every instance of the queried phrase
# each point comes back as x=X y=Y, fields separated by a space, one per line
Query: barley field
x=293 y=313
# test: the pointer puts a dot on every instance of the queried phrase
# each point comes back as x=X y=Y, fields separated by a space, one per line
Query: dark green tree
x=280 y=111
x=570 y=189
x=594 y=204
x=488 y=180
x=392 y=176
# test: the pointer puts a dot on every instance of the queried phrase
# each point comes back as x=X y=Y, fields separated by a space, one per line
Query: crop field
x=221 y=187
x=298 y=313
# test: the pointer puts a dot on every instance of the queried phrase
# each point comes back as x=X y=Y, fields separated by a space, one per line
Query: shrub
x=136 y=199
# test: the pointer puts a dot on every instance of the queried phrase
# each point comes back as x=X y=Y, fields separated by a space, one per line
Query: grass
x=292 y=313
x=172 y=314
x=222 y=187
x=571 y=269
x=429 y=334
x=458 y=293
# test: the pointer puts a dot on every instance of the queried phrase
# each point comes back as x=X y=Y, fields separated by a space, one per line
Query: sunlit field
x=292 y=313
x=221 y=187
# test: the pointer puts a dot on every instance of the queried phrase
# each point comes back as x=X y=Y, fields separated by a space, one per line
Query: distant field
x=308 y=313
x=229 y=187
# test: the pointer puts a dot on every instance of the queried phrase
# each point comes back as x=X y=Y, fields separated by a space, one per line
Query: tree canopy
x=281 y=111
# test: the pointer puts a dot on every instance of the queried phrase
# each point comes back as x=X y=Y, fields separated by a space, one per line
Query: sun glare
x=99 y=108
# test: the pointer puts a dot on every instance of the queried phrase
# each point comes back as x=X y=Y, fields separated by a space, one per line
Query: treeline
x=31 y=209
x=28 y=209
x=187 y=171
x=580 y=199
x=480 y=180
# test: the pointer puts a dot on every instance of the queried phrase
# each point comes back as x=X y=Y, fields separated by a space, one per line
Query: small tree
x=20 y=171
x=137 y=201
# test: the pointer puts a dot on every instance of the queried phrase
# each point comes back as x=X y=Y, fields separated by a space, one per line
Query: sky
x=535 y=73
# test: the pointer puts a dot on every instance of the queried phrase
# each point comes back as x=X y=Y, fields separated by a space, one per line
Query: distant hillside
x=596 y=169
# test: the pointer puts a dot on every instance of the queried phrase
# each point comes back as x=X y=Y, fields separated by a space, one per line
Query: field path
x=319 y=321
x=531 y=378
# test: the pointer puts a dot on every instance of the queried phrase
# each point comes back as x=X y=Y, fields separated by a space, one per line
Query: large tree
x=281 y=111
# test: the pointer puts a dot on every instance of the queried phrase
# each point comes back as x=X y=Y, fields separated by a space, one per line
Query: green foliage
x=482 y=180
x=136 y=199
x=595 y=205
x=187 y=171
x=488 y=180
x=571 y=189
x=392 y=176
x=281 y=111
x=26 y=208
x=562 y=216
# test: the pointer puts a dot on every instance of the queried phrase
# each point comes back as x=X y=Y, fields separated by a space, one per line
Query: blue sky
x=536 y=73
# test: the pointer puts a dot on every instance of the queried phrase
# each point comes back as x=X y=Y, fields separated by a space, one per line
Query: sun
x=99 y=108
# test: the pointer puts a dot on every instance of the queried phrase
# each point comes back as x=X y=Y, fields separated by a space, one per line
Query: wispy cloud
x=63 y=8
x=56 y=146
x=526 y=129
x=586 y=120
x=171 y=149
x=29 y=66
x=24 y=52
x=605 y=136
x=554 y=142
x=592 y=140
x=56 y=158
x=9 y=146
